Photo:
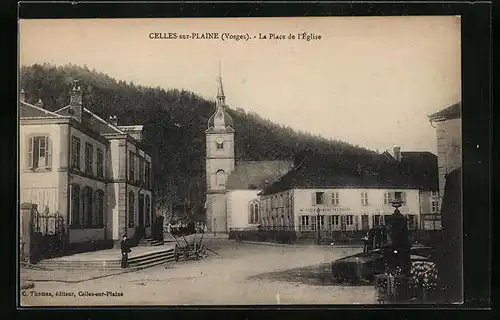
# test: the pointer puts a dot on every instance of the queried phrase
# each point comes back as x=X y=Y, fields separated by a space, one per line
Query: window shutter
x=30 y=153
x=313 y=198
x=95 y=205
x=382 y=219
x=356 y=222
x=48 y=152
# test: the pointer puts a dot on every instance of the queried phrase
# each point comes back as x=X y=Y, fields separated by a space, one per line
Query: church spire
x=221 y=98
x=220 y=120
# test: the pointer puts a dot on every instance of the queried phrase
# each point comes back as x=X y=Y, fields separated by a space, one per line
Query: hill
x=174 y=124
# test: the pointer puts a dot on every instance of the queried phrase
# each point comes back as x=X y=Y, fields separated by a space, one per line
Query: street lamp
x=214 y=227
x=317 y=225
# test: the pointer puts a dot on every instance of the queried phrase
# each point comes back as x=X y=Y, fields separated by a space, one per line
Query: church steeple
x=220 y=120
x=221 y=98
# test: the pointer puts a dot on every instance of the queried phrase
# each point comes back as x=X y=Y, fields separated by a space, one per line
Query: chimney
x=397 y=153
x=113 y=120
x=266 y=184
x=22 y=96
x=39 y=104
x=75 y=102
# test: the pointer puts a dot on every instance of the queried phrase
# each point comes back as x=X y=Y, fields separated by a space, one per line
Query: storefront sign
x=326 y=210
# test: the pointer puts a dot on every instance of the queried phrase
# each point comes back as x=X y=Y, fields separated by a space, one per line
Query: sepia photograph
x=240 y=161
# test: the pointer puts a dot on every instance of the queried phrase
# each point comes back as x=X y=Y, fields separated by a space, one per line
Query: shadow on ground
x=315 y=275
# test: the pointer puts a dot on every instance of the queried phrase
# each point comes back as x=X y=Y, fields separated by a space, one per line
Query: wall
x=131 y=147
x=46 y=187
x=275 y=206
x=85 y=235
x=216 y=208
x=135 y=190
x=133 y=187
x=211 y=146
x=238 y=211
x=449 y=146
x=430 y=220
x=219 y=159
x=116 y=187
x=350 y=204
x=84 y=138
x=84 y=179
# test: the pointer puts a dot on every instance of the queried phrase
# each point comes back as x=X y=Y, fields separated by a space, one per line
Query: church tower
x=220 y=161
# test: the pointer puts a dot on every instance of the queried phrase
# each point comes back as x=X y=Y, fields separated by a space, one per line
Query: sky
x=370 y=81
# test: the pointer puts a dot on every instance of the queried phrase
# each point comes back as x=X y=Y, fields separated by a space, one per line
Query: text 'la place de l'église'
x=232 y=36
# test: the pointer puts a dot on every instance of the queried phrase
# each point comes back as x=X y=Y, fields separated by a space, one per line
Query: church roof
x=220 y=110
x=254 y=174
x=452 y=112
x=228 y=120
x=416 y=170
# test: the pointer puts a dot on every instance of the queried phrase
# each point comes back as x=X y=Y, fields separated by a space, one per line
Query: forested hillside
x=174 y=124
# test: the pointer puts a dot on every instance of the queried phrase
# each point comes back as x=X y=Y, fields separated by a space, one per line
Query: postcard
x=240 y=161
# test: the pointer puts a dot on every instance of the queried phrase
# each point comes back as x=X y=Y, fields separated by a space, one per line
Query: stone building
x=94 y=173
x=232 y=205
x=351 y=192
x=448 y=124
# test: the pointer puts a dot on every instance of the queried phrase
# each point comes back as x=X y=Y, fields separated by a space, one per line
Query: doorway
x=364 y=222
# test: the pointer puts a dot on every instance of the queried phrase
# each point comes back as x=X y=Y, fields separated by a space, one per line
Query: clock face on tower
x=220 y=140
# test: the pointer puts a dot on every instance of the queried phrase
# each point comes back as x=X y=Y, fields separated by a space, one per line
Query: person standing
x=125 y=247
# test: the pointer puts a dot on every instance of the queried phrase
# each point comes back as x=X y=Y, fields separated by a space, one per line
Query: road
x=241 y=274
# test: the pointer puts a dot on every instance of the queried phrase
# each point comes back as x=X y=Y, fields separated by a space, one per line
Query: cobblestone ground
x=240 y=274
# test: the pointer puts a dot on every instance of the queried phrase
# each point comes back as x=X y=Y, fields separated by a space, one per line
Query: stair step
x=150 y=259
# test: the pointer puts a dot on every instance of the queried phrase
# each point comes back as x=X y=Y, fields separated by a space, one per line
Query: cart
x=193 y=250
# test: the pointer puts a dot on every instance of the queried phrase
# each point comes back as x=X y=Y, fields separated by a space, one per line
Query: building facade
x=232 y=186
x=336 y=192
x=93 y=173
x=243 y=186
x=333 y=209
x=220 y=162
x=448 y=124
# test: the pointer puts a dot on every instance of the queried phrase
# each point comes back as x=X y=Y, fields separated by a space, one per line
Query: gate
x=48 y=235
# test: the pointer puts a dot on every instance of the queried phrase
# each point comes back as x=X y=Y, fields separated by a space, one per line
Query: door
x=364 y=222
x=343 y=225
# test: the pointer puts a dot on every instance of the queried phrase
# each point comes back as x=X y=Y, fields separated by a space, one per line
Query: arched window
x=98 y=219
x=87 y=207
x=254 y=212
x=131 y=209
x=148 y=211
x=221 y=178
x=75 y=205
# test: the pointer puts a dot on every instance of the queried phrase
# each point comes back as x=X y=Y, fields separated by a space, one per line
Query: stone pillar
x=26 y=226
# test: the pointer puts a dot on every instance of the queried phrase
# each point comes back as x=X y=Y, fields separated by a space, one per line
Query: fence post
x=26 y=226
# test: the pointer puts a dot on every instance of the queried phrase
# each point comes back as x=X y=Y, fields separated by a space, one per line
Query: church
x=312 y=191
x=232 y=200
